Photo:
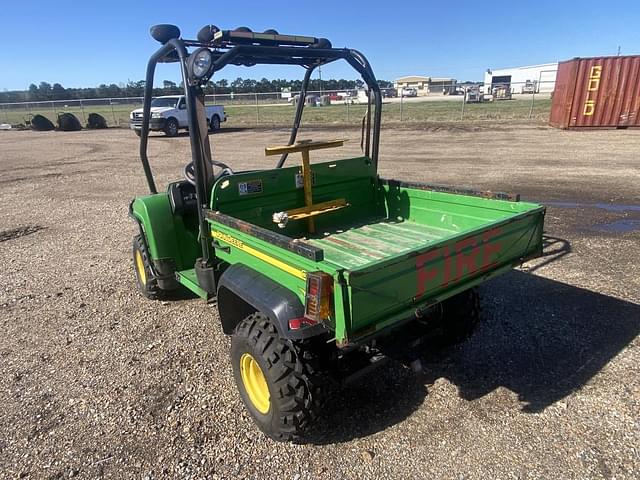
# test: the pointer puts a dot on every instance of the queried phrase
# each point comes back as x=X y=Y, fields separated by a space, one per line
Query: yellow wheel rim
x=254 y=383
x=140 y=266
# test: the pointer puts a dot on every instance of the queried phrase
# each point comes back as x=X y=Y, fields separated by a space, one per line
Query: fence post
x=464 y=101
x=113 y=114
x=348 y=101
x=257 y=109
x=84 y=120
x=533 y=96
x=401 y=103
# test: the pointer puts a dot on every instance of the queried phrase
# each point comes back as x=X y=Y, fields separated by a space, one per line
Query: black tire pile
x=67 y=122
x=41 y=124
x=96 y=121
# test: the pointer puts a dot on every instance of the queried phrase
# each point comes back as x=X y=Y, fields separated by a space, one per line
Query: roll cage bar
x=244 y=52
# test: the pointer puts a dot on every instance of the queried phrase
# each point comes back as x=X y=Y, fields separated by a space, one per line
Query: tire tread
x=298 y=382
x=151 y=290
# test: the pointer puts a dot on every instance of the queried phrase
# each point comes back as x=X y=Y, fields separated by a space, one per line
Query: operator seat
x=182 y=197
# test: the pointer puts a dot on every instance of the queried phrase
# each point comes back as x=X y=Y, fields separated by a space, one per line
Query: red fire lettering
x=467 y=261
x=425 y=275
x=490 y=248
x=447 y=267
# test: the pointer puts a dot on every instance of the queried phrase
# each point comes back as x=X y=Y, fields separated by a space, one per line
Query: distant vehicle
x=389 y=93
x=409 y=92
x=453 y=90
x=354 y=97
x=501 y=92
x=169 y=115
x=313 y=100
x=529 y=87
x=473 y=95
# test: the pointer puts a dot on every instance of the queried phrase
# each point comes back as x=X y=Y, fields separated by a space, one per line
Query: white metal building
x=541 y=77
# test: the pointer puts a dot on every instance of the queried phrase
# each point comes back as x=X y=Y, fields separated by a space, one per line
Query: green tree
x=102 y=90
x=169 y=87
x=58 y=92
x=236 y=85
x=33 y=94
x=44 y=91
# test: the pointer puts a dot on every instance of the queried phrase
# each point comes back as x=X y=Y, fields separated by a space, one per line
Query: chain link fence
x=338 y=107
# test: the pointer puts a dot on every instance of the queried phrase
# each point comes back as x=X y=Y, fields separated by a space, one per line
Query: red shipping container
x=597 y=92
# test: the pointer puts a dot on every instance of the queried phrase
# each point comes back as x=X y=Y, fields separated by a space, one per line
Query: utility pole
x=618 y=50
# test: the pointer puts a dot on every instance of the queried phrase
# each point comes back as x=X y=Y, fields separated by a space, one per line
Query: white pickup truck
x=169 y=115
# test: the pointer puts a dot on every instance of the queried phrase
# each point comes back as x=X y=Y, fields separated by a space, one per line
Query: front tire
x=279 y=381
x=214 y=124
x=171 y=127
x=147 y=284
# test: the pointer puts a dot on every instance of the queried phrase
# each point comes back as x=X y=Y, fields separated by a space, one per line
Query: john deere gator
x=317 y=266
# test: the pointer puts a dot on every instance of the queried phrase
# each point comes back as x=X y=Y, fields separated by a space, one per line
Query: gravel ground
x=98 y=382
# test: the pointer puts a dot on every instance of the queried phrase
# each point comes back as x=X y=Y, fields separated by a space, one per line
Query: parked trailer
x=597 y=92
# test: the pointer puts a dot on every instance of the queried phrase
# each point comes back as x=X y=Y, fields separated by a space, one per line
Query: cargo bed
x=394 y=249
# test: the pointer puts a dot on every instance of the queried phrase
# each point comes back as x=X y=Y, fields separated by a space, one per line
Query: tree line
x=45 y=91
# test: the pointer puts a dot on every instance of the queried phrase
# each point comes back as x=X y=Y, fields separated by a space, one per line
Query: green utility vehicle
x=319 y=269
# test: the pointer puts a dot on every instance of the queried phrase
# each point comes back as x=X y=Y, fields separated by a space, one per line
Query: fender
x=242 y=291
x=155 y=222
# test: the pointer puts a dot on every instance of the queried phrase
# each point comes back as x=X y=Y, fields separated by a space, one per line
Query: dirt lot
x=98 y=382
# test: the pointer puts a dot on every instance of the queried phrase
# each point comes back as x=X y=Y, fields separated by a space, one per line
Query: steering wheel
x=190 y=174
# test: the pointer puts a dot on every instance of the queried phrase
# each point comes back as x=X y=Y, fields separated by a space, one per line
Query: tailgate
x=385 y=291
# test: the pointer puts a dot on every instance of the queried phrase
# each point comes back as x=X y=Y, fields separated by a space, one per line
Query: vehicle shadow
x=376 y=401
x=540 y=338
x=553 y=248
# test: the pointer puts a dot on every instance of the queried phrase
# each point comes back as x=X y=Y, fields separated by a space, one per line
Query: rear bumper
x=154 y=124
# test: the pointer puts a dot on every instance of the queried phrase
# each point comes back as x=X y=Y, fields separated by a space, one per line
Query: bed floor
x=358 y=246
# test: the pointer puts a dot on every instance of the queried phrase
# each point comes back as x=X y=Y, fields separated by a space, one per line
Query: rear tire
x=147 y=284
x=280 y=381
x=171 y=127
x=460 y=316
x=138 y=132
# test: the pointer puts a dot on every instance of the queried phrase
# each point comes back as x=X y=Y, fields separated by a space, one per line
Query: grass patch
x=282 y=115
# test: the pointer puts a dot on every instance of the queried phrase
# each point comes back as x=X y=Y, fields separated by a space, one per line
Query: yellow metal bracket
x=310 y=210
x=316 y=209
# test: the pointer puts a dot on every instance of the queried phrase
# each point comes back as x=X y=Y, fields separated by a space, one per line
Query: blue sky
x=80 y=43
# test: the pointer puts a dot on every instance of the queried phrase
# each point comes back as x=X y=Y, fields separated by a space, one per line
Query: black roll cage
x=308 y=57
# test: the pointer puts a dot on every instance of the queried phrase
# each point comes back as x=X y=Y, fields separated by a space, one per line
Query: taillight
x=318 y=297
